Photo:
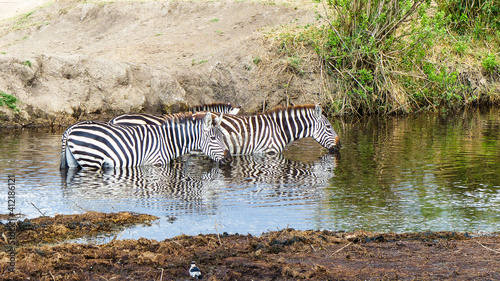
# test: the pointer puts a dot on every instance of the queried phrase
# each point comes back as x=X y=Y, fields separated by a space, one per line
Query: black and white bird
x=194 y=271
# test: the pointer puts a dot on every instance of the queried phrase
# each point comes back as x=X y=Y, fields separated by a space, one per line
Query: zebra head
x=212 y=140
x=323 y=131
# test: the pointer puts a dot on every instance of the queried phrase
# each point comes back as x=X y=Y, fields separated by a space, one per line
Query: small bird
x=195 y=272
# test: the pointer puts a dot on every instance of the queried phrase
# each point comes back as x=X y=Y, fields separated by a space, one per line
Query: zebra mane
x=184 y=117
x=212 y=105
x=219 y=107
x=290 y=108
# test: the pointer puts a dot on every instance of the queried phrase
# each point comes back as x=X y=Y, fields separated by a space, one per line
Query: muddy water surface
x=427 y=172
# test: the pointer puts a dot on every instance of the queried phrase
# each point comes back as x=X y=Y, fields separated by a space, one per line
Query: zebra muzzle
x=227 y=158
x=336 y=147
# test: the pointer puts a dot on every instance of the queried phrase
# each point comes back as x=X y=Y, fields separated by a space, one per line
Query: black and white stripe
x=196 y=185
x=271 y=131
x=268 y=132
x=219 y=107
x=96 y=145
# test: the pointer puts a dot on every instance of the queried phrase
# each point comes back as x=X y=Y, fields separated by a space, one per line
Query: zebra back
x=132 y=119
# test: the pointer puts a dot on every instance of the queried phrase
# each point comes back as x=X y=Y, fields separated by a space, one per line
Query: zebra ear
x=317 y=110
x=218 y=120
x=207 y=121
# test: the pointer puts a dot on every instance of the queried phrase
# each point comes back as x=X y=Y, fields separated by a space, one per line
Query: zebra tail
x=64 y=149
x=64 y=161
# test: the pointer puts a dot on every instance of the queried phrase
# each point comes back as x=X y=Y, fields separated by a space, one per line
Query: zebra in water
x=271 y=131
x=140 y=118
x=97 y=145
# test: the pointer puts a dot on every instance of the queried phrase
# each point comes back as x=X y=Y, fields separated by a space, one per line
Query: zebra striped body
x=271 y=131
x=97 y=145
x=140 y=119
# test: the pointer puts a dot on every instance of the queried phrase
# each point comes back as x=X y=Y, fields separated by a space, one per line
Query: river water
x=394 y=174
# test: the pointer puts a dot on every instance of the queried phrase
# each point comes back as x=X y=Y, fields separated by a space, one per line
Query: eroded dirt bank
x=278 y=255
x=74 y=60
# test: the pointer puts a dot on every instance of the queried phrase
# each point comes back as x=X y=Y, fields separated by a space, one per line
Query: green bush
x=394 y=56
x=490 y=63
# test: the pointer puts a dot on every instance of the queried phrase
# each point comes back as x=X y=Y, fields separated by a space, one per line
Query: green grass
x=9 y=100
x=194 y=62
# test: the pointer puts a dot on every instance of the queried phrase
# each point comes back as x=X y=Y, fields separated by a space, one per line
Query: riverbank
x=277 y=255
x=72 y=60
x=69 y=60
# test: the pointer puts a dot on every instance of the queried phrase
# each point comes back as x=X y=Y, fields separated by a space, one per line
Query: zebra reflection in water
x=277 y=176
x=194 y=185
x=173 y=186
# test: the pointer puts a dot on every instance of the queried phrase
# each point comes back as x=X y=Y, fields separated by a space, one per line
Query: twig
x=161 y=276
x=43 y=214
x=80 y=207
x=177 y=243
x=51 y=273
x=341 y=249
x=495 y=251
x=114 y=238
x=217 y=229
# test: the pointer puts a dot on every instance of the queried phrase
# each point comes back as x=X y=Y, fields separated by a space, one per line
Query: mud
x=278 y=255
x=56 y=229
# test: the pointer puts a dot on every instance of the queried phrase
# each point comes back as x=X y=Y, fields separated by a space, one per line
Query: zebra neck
x=183 y=137
x=295 y=124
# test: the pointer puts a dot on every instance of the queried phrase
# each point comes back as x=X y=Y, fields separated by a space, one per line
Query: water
x=417 y=173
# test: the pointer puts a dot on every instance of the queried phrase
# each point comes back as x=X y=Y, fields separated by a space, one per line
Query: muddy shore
x=286 y=254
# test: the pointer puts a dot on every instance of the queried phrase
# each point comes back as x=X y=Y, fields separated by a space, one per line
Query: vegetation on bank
x=9 y=100
x=400 y=56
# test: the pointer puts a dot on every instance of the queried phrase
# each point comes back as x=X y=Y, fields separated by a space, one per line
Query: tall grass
x=397 y=56
x=473 y=17
x=365 y=42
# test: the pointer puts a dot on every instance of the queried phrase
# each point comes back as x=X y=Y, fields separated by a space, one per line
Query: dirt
x=71 y=60
x=277 y=255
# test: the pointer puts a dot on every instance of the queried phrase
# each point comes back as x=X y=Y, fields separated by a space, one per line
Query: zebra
x=140 y=118
x=98 y=145
x=268 y=132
